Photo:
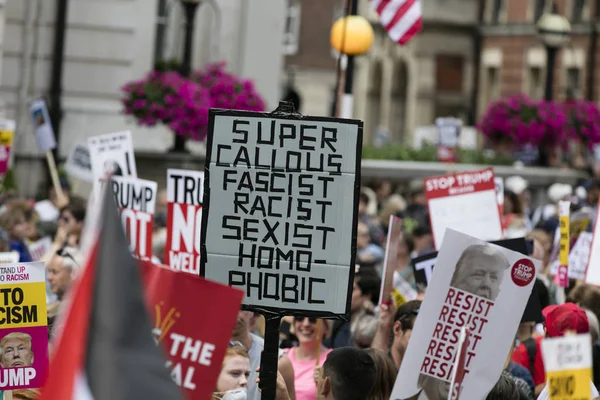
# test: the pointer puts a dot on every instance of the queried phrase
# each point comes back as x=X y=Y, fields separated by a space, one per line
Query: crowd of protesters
x=360 y=358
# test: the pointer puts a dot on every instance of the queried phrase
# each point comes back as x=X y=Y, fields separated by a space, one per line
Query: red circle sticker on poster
x=523 y=272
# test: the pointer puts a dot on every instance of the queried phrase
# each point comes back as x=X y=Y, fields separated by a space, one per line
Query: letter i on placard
x=562 y=275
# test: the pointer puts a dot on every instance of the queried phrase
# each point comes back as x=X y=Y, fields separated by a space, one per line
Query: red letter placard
x=194 y=319
x=184 y=194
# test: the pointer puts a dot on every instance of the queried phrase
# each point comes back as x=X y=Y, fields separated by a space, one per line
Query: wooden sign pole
x=61 y=198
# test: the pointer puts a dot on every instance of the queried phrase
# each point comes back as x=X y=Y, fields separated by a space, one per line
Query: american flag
x=402 y=19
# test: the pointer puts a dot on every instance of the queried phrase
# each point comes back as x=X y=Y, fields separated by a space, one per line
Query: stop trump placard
x=136 y=200
x=184 y=195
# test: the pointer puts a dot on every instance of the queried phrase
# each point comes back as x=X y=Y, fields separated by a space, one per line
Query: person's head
x=310 y=331
x=594 y=325
x=26 y=394
x=72 y=216
x=364 y=331
x=504 y=389
x=235 y=370
x=366 y=287
x=392 y=206
x=512 y=203
x=422 y=238
x=363 y=236
x=543 y=240
x=347 y=374
x=564 y=318
x=385 y=375
x=15 y=350
x=242 y=325
x=417 y=192
x=31 y=216
x=13 y=221
x=363 y=204
x=383 y=189
x=62 y=270
x=593 y=192
x=404 y=321
x=586 y=296
x=480 y=270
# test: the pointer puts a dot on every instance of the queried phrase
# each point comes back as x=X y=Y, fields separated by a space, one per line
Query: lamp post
x=553 y=31
x=351 y=35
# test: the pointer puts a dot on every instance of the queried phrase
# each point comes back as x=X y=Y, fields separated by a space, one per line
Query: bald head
x=480 y=270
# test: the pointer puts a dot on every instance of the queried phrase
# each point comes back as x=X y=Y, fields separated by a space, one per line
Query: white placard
x=578 y=257
x=9 y=257
x=78 y=164
x=482 y=287
x=38 y=249
x=111 y=154
x=44 y=134
x=466 y=202
x=280 y=202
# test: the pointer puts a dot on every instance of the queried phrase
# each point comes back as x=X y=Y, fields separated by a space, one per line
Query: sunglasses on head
x=236 y=344
x=310 y=319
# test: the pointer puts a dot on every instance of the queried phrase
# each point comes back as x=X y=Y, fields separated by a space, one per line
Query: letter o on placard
x=129 y=220
x=2 y=278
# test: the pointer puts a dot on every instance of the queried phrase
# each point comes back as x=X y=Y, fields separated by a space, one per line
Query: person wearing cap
x=561 y=320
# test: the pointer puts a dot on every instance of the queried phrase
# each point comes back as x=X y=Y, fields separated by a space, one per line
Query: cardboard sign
x=448 y=135
x=562 y=275
x=40 y=248
x=111 y=155
x=482 y=287
x=136 y=199
x=78 y=164
x=499 y=182
x=281 y=192
x=391 y=258
x=194 y=337
x=7 y=133
x=23 y=326
x=578 y=257
x=44 y=134
x=184 y=220
x=465 y=202
x=592 y=274
x=568 y=364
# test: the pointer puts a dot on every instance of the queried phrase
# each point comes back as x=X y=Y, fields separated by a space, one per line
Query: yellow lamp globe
x=358 y=38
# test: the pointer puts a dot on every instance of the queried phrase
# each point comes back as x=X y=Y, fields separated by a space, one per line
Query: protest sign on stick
x=184 y=219
x=194 y=338
x=466 y=202
x=78 y=164
x=24 y=325
x=281 y=191
x=136 y=199
x=391 y=258
x=482 y=287
x=562 y=276
x=568 y=365
x=111 y=155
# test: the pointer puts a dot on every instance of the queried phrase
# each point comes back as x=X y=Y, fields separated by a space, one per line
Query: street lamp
x=190 y=7
x=554 y=31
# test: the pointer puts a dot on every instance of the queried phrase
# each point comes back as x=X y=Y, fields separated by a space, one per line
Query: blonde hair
x=392 y=206
x=16 y=336
x=26 y=394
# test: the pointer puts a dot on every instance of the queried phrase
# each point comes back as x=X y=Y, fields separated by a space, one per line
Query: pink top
x=304 y=374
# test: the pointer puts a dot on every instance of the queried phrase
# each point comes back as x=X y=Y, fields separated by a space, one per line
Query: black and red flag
x=105 y=349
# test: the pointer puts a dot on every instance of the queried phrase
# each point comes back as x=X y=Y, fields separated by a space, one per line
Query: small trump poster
x=466 y=202
x=24 y=326
x=477 y=285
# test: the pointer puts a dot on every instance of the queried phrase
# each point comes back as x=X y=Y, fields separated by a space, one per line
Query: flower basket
x=583 y=122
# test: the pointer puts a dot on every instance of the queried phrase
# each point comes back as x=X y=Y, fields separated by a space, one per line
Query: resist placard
x=466 y=202
x=136 y=199
x=23 y=326
x=280 y=200
x=184 y=220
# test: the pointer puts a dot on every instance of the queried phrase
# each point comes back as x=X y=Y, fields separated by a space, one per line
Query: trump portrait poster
x=476 y=285
x=23 y=326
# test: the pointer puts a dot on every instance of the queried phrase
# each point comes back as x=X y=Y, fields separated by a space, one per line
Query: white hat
x=559 y=191
x=516 y=184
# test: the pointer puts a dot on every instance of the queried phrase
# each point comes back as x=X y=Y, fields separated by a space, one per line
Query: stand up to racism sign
x=279 y=195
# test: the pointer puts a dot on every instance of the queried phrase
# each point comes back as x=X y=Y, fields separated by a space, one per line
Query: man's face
x=70 y=224
x=242 y=325
x=16 y=353
x=362 y=236
x=401 y=339
x=481 y=277
x=59 y=276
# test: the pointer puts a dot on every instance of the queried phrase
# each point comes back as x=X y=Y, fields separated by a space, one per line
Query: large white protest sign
x=44 y=134
x=111 y=155
x=280 y=200
x=136 y=199
x=592 y=274
x=78 y=164
x=578 y=257
x=466 y=202
x=482 y=287
x=184 y=220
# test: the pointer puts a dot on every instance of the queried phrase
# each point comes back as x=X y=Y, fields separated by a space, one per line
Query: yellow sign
x=570 y=385
x=564 y=240
x=20 y=304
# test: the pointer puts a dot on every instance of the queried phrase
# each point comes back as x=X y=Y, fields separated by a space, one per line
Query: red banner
x=462 y=183
x=184 y=194
x=194 y=319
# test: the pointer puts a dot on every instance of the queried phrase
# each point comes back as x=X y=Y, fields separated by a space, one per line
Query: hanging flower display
x=583 y=122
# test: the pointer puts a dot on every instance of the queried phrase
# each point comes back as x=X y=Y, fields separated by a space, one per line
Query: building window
x=449 y=72
x=540 y=8
x=534 y=81
x=291 y=35
x=578 y=6
x=498 y=6
x=573 y=82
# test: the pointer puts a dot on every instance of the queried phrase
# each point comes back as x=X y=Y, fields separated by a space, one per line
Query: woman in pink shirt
x=310 y=333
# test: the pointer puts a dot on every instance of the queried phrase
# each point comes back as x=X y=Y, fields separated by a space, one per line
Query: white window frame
x=291 y=36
